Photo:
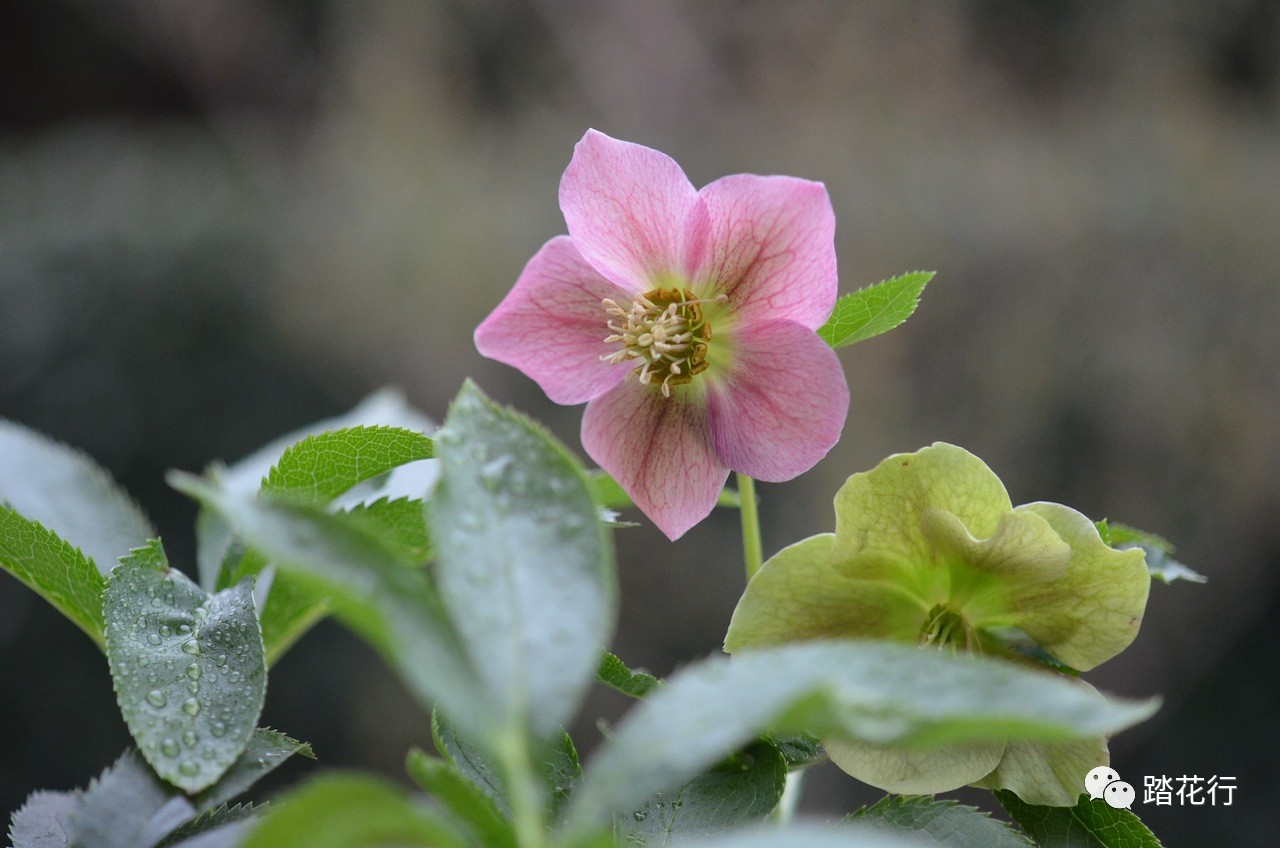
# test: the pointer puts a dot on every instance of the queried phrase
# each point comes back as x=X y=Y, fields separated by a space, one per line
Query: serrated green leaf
x=128 y=806
x=800 y=749
x=188 y=668
x=949 y=823
x=291 y=608
x=54 y=569
x=1089 y=824
x=352 y=811
x=474 y=808
x=43 y=821
x=1158 y=550
x=321 y=467
x=58 y=486
x=875 y=309
x=744 y=788
x=518 y=546
x=267 y=750
x=390 y=606
x=614 y=672
x=847 y=835
x=878 y=693
x=217 y=828
x=401 y=524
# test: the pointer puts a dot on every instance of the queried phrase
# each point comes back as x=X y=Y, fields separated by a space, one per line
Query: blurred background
x=222 y=220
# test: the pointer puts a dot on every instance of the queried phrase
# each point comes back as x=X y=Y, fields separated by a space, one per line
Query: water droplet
x=193 y=687
x=234 y=677
x=184 y=629
x=167 y=583
x=189 y=739
x=218 y=729
x=156 y=602
x=153 y=638
x=166 y=631
x=191 y=647
x=193 y=671
x=221 y=660
x=191 y=707
x=189 y=768
x=156 y=698
x=641 y=815
x=169 y=748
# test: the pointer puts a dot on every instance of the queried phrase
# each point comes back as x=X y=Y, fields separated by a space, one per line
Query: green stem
x=790 y=800
x=526 y=803
x=752 y=550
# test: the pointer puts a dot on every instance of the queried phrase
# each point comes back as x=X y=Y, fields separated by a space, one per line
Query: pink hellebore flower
x=621 y=312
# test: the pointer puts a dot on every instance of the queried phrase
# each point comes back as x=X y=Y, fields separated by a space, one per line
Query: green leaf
x=472 y=806
x=875 y=309
x=949 y=823
x=352 y=811
x=54 y=569
x=610 y=495
x=223 y=827
x=188 y=668
x=390 y=606
x=291 y=609
x=523 y=565
x=800 y=749
x=744 y=788
x=267 y=750
x=320 y=467
x=128 y=806
x=1089 y=824
x=62 y=489
x=1158 y=551
x=879 y=693
x=43 y=821
x=401 y=524
x=614 y=672
x=847 y=835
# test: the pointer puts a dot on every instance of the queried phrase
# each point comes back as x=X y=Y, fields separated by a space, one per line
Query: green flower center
x=664 y=333
x=944 y=627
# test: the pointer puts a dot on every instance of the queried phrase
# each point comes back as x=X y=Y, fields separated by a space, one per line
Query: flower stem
x=752 y=550
x=526 y=805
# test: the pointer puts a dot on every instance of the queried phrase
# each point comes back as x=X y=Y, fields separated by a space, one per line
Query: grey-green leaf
x=394 y=608
x=1158 y=551
x=523 y=565
x=1089 y=824
x=744 y=788
x=267 y=750
x=880 y=693
x=68 y=493
x=188 y=668
x=43 y=821
x=353 y=811
x=128 y=806
x=320 y=467
x=949 y=823
x=875 y=309
x=54 y=569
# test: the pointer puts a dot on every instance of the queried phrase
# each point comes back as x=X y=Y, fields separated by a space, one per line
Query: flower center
x=664 y=333
x=944 y=627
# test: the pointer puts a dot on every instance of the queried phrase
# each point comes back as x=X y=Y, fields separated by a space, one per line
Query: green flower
x=928 y=548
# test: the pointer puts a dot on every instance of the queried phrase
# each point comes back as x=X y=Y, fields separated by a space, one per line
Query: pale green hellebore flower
x=928 y=548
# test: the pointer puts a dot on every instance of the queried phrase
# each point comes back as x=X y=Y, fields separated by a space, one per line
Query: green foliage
x=1158 y=551
x=875 y=309
x=744 y=788
x=949 y=823
x=60 y=488
x=351 y=811
x=847 y=835
x=267 y=750
x=54 y=569
x=613 y=672
x=879 y=693
x=1089 y=824
x=401 y=524
x=473 y=808
x=522 y=562
x=320 y=467
x=188 y=668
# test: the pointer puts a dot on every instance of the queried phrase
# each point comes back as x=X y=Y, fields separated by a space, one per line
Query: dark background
x=221 y=220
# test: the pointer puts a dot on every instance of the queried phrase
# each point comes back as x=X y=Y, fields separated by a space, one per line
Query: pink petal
x=782 y=404
x=631 y=211
x=552 y=327
x=771 y=248
x=659 y=449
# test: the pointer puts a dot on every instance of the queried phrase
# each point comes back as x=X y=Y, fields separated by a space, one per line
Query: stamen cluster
x=664 y=333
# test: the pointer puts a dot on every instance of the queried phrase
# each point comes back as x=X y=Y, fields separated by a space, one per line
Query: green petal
x=915 y=772
x=806 y=591
x=1047 y=774
x=1094 y=610
x=882 y=511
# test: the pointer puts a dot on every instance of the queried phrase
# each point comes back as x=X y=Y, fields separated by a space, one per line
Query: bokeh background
x=222 y=220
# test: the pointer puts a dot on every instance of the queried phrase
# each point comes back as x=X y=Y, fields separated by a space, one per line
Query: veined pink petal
x=659 y=449
x=771 y=248
x=631 y=211
x=552 y=327
x=783 y=403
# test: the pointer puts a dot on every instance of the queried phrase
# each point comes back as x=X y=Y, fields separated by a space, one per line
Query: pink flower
x=686 y=320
